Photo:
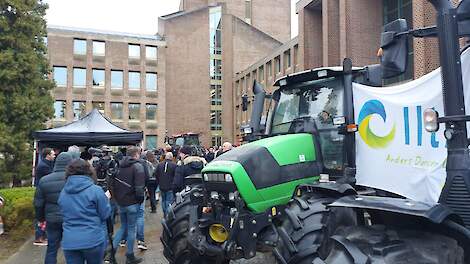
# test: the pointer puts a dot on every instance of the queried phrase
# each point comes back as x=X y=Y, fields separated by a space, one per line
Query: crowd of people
x=80 y=194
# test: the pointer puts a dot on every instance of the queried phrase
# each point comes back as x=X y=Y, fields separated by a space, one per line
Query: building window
x=216 y=69
x=98 y=78
x=59 y=110
x=79 y=77
x=150 y=53
x=261 y=74
x=216 y=120
x=269 y=67
x=394 y=9
x=99 y=106
x=134 y=51
x=296 y=55
x=151 y=112
x=116 y=111
x=134 y=80
x=216 y=94
x=151 y=81
x=60 y=75
x=151 y=142
x=79 y=110
x=277 y=64
x=287 y=59
x=216 y=141
x=215 y=27
x=99 y=48
x=79 y=47
x=116 y=79
x=134 y=111
x=248 y=11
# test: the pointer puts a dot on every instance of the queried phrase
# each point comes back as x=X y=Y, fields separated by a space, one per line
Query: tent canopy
x=91 y=130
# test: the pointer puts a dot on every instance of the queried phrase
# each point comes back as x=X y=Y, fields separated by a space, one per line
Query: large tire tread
x=304 y=234
x=381 y=245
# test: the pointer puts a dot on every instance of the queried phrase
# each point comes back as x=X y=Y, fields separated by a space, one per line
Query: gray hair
x=73 y=148
x=169 y=155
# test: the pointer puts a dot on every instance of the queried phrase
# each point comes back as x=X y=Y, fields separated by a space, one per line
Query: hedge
x=18 y=210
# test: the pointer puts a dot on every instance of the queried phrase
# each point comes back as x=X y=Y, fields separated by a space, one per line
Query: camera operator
x=105 y=166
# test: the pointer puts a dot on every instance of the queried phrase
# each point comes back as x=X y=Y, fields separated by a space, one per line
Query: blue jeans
x=92 y=255
x=139 y=224
x=128 y=216
x=54 y=237
x=167 y=199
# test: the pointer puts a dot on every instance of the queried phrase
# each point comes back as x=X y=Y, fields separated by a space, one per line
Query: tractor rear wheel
x=377 y=244
x=176 y=247
x=307 y=226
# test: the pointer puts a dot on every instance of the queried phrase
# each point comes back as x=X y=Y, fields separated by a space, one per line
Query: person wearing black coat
x=190 y=165
x=45 y=165
x=164 y=175
x=46 y=205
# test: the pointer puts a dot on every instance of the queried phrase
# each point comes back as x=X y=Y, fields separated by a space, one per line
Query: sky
x=131 y=16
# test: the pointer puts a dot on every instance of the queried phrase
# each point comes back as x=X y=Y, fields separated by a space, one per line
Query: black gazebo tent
x=91 y=130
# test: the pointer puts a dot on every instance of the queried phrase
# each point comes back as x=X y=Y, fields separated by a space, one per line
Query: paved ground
x=29 y=254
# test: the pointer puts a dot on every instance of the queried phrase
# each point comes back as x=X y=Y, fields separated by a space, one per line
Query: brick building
x=207 y=41
x=113 y=72
x=330 y=30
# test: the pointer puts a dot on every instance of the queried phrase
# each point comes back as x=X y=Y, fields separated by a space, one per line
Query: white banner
x=394 y=151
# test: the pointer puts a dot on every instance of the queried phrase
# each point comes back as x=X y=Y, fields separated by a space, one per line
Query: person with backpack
x=127 y=188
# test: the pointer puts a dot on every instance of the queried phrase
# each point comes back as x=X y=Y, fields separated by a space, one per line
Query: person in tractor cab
x=190 y=165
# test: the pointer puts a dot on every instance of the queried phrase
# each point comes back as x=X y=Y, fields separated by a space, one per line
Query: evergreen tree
x=25 y=90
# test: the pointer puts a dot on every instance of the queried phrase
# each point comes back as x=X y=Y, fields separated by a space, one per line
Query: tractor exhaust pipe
x=258 y=106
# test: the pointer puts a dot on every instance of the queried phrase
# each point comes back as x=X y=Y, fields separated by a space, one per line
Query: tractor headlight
x=218 y=177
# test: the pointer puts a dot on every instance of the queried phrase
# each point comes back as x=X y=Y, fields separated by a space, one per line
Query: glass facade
x=79 y=47
x=99 y=48
x=116 y=111
x=216 y=120
x=79 y=77
x=151 y=112
x=150 y=53
x=216 y=141
x=151 y=81
x=116 y=79
x=79 y=110
x=287 y=59
x=215 y=70
x=59 y=110
x=134 y=80
x=151 y=142
x=60 y=75
x=394 y=9
x=134 y=51
x=98 y=78
x=134 y=111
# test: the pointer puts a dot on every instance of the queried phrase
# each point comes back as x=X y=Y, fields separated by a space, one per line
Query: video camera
x=96 y=152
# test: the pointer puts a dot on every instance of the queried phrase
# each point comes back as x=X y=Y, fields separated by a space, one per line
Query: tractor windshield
x=297 y=107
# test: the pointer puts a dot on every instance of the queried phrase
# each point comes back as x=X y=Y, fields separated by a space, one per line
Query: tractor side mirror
x=244 y=103
x=431 y=120
x=394 y=49
x=464 y=10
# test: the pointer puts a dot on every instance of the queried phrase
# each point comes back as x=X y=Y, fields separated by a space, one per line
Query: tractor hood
x=266 y=171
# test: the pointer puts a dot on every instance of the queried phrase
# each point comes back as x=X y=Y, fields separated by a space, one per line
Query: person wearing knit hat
x=46 y=206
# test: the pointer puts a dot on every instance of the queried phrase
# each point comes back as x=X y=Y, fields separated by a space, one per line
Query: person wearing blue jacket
x=85 y=208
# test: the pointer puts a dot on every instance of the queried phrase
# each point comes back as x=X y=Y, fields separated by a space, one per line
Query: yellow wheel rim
x=218 y=233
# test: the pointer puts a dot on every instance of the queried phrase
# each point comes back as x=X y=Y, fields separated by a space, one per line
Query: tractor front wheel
x=176 y=225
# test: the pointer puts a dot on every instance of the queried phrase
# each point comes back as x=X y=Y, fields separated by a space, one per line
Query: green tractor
x=292 y=191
